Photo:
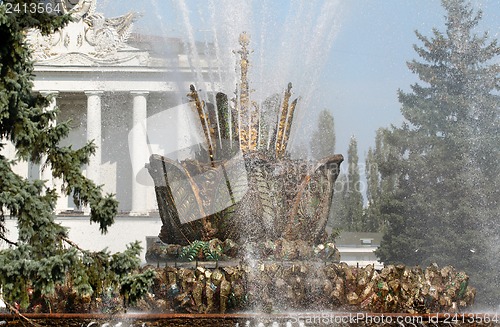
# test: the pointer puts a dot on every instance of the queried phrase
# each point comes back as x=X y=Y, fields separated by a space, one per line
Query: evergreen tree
x=322 y=144
x=446 y=207
x=323 y=138
x=381 y=182
x=372 y=211
x=348 y=204
x=43 y=258
x=338 y=211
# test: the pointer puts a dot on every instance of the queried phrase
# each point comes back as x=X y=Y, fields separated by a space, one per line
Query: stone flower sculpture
x=248 y=188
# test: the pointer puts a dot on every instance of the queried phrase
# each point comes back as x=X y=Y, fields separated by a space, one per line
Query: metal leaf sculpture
x=248 y=189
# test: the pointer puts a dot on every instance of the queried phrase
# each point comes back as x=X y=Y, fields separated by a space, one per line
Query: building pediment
x=90 y=39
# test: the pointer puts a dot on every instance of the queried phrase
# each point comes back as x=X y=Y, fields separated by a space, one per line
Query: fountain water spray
x=243 y=184
x=243 y=202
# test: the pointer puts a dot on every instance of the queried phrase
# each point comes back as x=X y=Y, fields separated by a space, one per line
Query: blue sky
x=361 y=68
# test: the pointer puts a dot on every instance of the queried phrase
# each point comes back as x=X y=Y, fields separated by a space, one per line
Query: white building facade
x=357 y=249
x=105 y=86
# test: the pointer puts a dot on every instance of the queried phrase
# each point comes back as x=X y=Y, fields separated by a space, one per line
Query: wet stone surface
x=283 y=286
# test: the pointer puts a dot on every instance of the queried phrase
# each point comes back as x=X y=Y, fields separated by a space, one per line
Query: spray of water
x=291 y=42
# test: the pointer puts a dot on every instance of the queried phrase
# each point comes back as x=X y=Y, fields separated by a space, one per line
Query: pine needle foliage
x=43 y=258
x=446 y=156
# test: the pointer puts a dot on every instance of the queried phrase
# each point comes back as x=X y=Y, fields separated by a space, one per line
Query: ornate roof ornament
x=78 y=8
x=91 y=39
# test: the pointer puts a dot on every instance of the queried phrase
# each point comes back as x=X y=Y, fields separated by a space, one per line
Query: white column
x=46 y=170
x=138 y=151
x=94 y=133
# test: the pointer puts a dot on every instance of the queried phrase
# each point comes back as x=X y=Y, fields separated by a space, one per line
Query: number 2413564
x=32 y=8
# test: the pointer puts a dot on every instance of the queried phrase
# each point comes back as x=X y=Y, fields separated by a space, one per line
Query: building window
x=366 y=241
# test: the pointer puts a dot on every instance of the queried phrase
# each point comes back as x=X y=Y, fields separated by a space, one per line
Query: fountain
x=243 y=228
x=248 y=189
x=248 y=200
x=244 y=225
